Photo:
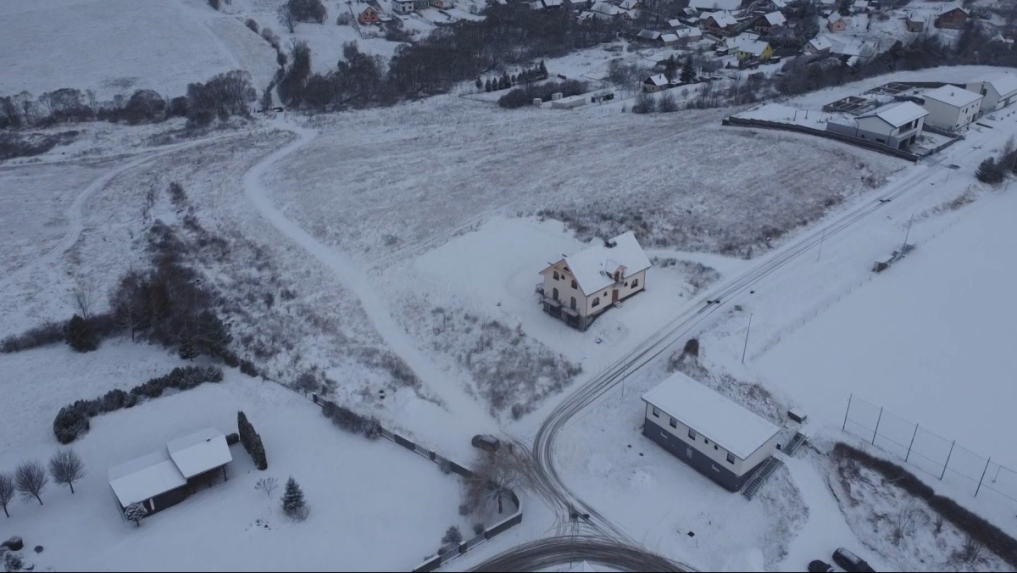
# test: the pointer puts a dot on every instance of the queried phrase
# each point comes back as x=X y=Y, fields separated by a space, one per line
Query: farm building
x=951 y=107
x=997 y=92
x=719 y=438
x=579 y=287
x=896 y=125
x=166 y=477
x=953 y=18
x=836 y=23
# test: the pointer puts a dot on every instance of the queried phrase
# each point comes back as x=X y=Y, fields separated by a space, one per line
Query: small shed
x=200 y=453
x=152 y=480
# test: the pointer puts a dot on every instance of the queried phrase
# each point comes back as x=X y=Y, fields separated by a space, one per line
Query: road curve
x=544 y=554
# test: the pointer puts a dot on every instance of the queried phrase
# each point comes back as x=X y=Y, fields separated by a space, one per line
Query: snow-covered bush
x=135 y=512
x=293 y=502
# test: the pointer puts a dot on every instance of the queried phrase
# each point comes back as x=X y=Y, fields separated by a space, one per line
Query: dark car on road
x=487 y=443
x=850 y=562
x=818 y=566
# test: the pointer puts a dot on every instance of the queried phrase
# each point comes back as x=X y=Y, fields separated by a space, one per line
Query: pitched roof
x=952 y=95
x=669 y=38
x=689 y=33
x=676 y=23
x=779 y=3
x=949 y=9
x=626 y=4
x=199 y=452
x=753 y=47
x=144 y=478
x=552 y=3
x=723 y=19
x=649 y=34
x=898 y=114
x=591 y=267
x=716 y=4
x=605 y=8
x=820 y=43
x=775 y=19
x=730 y=425
x=657 y=80
x=1004 y=83
x=834 y=17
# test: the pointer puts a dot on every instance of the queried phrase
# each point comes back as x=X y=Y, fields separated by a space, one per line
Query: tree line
x=30 y=478
x=224 y=95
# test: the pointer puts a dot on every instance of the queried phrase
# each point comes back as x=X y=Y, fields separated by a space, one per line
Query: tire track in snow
x=446 y=386
x=75 y=213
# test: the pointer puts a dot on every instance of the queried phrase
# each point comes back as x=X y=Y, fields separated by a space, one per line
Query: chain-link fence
x=933 y=454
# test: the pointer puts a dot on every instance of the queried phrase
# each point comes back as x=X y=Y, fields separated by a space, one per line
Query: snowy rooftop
x=715 y=4
x=835 y=17
x=723 y=19
x=676 y=23
x=591 y=266
x=669 y=38
x=145 y=478
x=753 y=47
x=736 y=429
x=649 y=34
x=200 y=452
x=820 y=43
x=657 y=80
x=775 y=19
x=898 y=114
x=1004 y=83
x=952 y=95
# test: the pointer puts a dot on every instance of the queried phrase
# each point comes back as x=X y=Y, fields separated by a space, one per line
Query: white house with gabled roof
x=580 y=287
x=951 y=107
x=719 y=438
x=997 y=92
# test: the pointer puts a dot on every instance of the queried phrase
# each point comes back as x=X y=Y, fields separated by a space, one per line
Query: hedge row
x=73 y=420
x=980 y=530
x=351 y=421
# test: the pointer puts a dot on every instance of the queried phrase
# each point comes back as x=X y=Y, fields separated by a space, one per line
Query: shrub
x=524 y=96
x=645 y=103
x=247 y=367
x=252 y=25
x=478 y=528
x=81 y=336
x=49 y=333
x=667 y=103
x=232 y=439
x=307 y=10
x=70 y=423
x=351 y=421
x=293 y=501
x=452 y=536
x=215 y=4
x=990 y=172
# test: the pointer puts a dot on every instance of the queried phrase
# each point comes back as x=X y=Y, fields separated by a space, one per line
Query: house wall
x=166 y=500
x=947 y=116
x=875 y=126
x=625 y=290
x=564 y=286
x=715 y=453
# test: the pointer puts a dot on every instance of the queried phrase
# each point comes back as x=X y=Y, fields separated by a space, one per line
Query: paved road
x=558 y=551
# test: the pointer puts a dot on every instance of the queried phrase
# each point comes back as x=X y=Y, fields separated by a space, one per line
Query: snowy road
x=448 y=388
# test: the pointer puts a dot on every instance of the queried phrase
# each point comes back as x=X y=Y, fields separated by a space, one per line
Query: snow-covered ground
x=374 y=506
x=160 y=45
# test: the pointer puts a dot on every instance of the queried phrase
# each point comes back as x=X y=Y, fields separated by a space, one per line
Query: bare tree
x=906 y=522
x=495 y=475
x=971 y=551
x=30 y=479
x=85 y=298
x=7 y=490
x=287 y=19
x=267 y=485
x=66 y=468
x=667 y=103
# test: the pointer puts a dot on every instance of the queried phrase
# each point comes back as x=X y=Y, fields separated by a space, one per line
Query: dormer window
x=555 y=275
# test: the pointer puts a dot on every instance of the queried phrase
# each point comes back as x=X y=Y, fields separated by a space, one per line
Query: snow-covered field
x=160 y=45
x=374 y=506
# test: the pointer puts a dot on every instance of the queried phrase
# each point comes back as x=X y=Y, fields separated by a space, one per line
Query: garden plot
x=363 y=494
x=368 y=187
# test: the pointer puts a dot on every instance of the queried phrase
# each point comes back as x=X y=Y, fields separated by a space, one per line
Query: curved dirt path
x=446 y=386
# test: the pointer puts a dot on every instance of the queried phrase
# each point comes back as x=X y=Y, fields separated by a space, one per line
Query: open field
x=374 y=505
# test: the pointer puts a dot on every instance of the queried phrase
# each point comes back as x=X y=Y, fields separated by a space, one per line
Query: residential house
x=656 y=83
x=720 y=23
x=628 y=4
x=951 y=107
x=998 y=91
x=369 y=16
x=403 y=6
x=690 y=34
x=421 y=4
x=914 y=23
x=896 y=125
x=818 y=46
x=442 y=4
x=778 y=4
x=836 y=23
x=748 y=46
x=553 y=4
x=648 y=35
x=719 y=438
x=669 y=38
x=1008 y=42
x=859 y=7
x=580 y=287
x=953 y=18
x=727 y=5
x=606 y=8
x=166 y=477
x=767 y=22
x=676 y=23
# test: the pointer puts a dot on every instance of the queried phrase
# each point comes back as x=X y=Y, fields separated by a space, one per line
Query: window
x=635 y=283
x=573 y=303
x=656 y=412
x=555 y=275
x=730 y=459
x=674 y=423
x=567 y=270
x=626 y=284
x=554 y=294
x=575 y=284
x=596 y=301
x=692 y=433
x=707 y=441
x=715 y=447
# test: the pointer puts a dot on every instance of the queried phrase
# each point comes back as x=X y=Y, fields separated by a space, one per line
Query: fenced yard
x=931 y=453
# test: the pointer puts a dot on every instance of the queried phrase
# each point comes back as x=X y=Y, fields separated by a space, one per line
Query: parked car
x=818 y=566
x=487 y=443
x=850 y=562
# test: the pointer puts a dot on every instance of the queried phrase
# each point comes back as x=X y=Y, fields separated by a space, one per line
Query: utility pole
x=746 y=347
x=904 y=248
x=821 y=241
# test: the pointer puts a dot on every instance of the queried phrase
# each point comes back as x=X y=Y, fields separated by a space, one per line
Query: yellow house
x=753 y=49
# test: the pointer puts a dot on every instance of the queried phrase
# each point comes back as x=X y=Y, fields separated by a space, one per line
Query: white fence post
x=979 y=488
x=947 y=464
x=912 y=444
x=848 y=411
x=876 y=431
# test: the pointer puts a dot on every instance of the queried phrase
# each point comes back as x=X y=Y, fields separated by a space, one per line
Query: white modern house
x=819 y=45
x=997 y=92
x=951 y=107
x=580 y=287
x=721 y=439
x=166 y=477
x=895 y=125
x=403 y=6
